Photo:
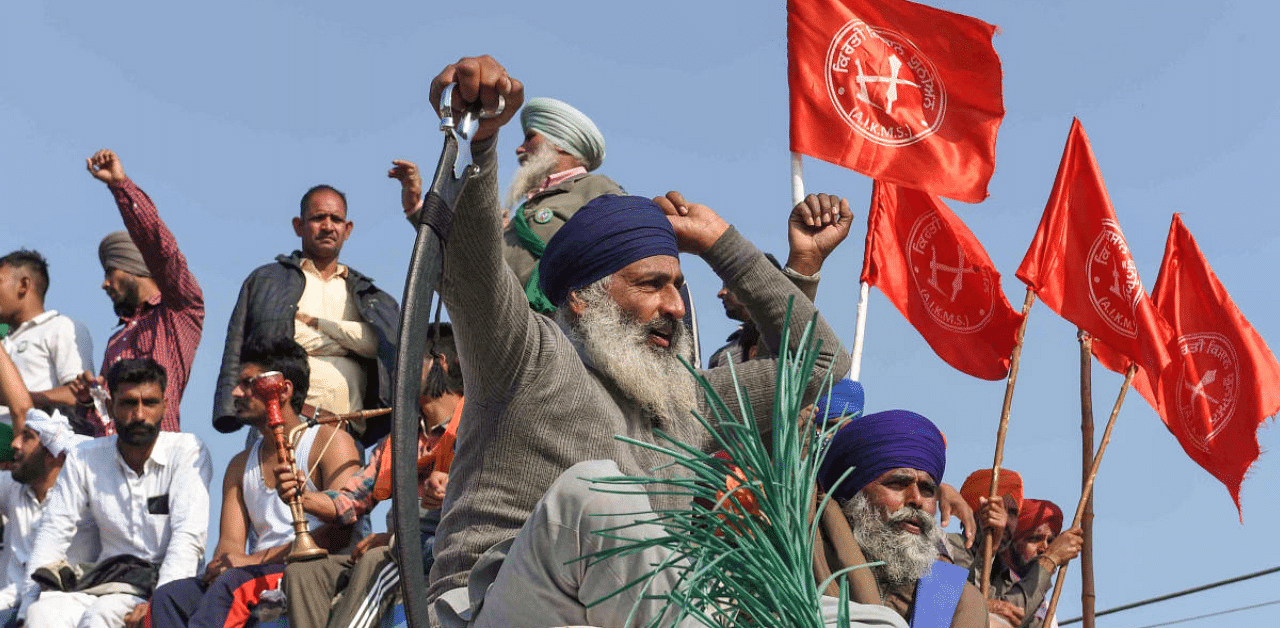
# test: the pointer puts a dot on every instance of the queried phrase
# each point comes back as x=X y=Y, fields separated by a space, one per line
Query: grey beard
x=529 y=177
x=617 y=346
x=907 y=557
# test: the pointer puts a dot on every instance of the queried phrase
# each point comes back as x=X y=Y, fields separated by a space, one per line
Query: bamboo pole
x=988 y=539
x=1086 y=463
x=1087 y=491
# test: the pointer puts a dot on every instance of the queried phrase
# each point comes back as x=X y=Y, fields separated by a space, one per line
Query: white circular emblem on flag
x=1114 y=287
x=948 y=284
x=1208 y=386
x=883 y=86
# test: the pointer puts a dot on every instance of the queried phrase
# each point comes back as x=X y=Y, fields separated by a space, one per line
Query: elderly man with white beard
x=895 y=460
x=561 y=149
x=545 y=395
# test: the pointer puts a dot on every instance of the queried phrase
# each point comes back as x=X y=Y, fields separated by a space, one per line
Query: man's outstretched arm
x=766 y=293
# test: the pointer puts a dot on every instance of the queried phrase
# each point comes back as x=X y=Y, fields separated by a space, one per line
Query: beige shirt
x=337 y=379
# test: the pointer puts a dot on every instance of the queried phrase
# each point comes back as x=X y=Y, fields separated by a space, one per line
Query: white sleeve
x=68 y=502
x=72 y=350
x=189 y=511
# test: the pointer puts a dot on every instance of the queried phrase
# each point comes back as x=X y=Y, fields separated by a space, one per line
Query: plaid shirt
x=166 y=327
x=356 y=499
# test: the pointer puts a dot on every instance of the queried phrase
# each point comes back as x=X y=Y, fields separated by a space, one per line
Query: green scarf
x=535 y=246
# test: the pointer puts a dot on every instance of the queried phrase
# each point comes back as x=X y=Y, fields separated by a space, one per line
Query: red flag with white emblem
x=1224 y=381
x=1080 y=265
x=933 y=269
x=898 y=91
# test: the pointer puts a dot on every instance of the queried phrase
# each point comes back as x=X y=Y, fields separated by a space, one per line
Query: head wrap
x=608 y=233
x=844 y=400
x=1037 y=511
x=978 y=484
x=117 y=250
x=881 y=442
x=54 y=431
x=566 y=127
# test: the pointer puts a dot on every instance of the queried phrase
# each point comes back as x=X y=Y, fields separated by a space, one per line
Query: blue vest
x=937 y=596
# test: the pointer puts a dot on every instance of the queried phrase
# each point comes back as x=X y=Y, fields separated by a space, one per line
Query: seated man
x=544 y=395
x=1039 y=547
x=1000 y=516
x=146 y=492
x=39 y=450
x=890 y=499
x=326 y=455
x=338 y=590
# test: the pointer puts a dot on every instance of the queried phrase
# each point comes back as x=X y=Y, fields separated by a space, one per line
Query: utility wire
x=1231 y=610
x=1170 y=596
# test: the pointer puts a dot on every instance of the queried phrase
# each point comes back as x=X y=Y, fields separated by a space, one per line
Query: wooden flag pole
x=1086 y=463
x=989 y=540
x=1087 y=492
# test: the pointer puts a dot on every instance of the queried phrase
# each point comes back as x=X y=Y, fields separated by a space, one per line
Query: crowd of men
x=566 y=330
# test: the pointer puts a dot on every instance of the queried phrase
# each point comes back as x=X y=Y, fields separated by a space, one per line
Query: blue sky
x=226 y=112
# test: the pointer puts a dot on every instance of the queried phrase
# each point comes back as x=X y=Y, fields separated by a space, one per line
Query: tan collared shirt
x=337 y=379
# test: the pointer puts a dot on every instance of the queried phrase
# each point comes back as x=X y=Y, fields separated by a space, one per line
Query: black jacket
x=266 y=307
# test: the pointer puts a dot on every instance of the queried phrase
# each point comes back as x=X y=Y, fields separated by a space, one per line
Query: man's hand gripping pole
x=453 y=172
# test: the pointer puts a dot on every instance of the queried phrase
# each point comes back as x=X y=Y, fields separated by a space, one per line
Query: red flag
x=938 y=275
x=1080 y=266
x=898 y=91
x=1224 y=382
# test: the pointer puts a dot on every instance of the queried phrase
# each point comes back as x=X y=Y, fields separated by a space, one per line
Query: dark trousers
x=225 y=602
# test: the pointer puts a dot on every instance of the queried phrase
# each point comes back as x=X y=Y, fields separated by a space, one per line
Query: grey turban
x=566 y=127
x=118 y=251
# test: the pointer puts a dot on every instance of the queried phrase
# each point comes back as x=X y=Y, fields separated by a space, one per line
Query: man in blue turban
x=545 y=394
x=886 y=469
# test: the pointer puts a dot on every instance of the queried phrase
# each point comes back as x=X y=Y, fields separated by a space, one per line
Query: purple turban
x=845 y=400
x=604 y=236
x=881 y=442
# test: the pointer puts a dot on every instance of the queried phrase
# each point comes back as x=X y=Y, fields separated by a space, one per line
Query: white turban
x=54 y=431
x=566 y=127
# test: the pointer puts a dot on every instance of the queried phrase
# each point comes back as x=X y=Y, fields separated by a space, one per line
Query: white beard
x=907 y=556
x=530 y=175
x=617 y=346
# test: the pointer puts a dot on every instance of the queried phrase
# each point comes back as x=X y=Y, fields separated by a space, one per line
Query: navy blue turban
x=845 y=400
x=881 y=442
x=604 y=236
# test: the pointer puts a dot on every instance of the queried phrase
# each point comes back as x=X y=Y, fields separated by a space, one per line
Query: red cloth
x=1080 y=265
x=166 y=329
x=1037 y=511
x=1225 y=381
x=978 y=484
x=898 y=91
x=924 y=259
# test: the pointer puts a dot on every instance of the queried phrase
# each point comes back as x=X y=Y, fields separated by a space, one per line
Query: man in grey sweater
x=544 y=395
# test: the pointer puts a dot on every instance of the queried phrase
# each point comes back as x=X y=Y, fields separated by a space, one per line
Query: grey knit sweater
x=533 y=409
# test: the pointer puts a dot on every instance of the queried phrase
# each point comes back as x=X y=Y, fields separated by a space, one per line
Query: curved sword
x=425 y=270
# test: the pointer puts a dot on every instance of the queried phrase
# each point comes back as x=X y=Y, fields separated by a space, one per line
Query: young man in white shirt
x=49 y=349
x=147 y=493
x=38 y=455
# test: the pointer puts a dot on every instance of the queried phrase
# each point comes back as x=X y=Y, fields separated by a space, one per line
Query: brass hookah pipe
x=268 y=387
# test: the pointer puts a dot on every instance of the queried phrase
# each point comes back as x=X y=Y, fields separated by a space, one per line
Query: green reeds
x=737 y=567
